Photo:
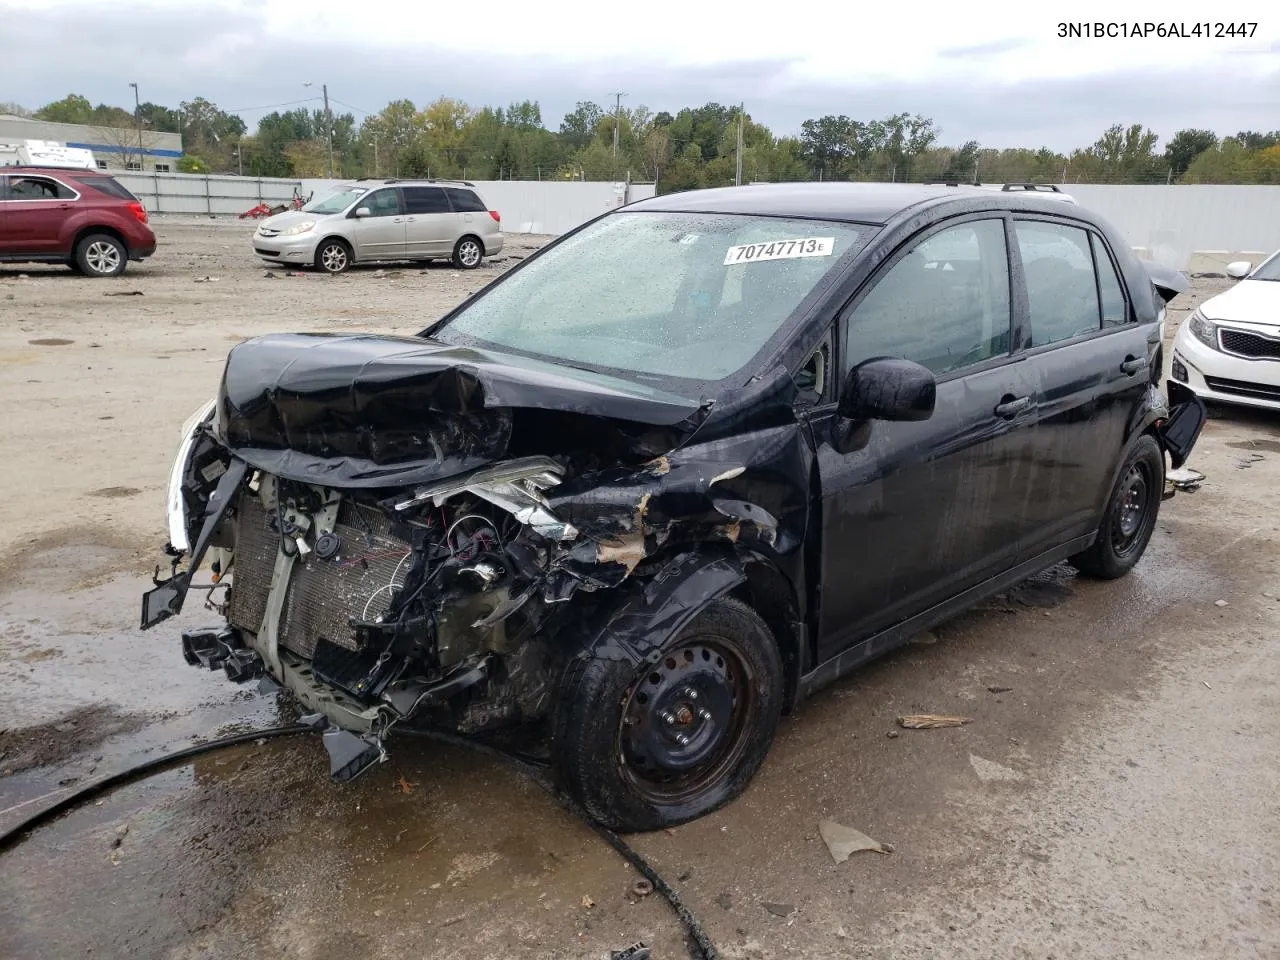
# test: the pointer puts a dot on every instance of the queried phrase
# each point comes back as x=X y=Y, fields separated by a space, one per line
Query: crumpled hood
x=369 y=410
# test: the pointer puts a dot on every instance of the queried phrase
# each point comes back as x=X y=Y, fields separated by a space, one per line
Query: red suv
x=82 y=218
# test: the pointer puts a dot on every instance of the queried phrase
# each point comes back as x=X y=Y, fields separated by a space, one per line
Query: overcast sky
x=998 y=75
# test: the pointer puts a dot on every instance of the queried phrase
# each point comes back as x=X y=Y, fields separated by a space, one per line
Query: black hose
x=11 y=837
x=700 y=945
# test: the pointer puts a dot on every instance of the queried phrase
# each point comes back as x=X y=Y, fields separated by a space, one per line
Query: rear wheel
x=1130 y=517
x=333 y=256
x=101 y=255
x=663 y=743
x=467 y=253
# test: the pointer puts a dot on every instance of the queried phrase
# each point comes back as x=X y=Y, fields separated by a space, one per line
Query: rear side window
x=465 y=201
x=108 y=185
x=1115 y=312
x=37 y=188
x=425 y=200
x=1062 y=293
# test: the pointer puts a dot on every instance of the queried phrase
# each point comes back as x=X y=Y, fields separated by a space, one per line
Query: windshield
x=679 y=295
x=334 y=202
x=1269 y=270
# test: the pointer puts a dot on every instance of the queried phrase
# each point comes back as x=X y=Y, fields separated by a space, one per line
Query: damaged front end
x=384 y=541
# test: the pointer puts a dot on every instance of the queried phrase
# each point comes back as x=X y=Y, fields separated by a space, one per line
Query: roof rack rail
x=1032 y=187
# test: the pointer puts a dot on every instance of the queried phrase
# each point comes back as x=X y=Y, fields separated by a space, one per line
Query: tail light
x=138 y=210
x=496 y=215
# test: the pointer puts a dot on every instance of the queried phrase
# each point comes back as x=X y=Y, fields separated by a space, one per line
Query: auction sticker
x=781 y=250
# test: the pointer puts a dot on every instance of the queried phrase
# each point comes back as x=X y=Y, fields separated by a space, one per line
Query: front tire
x=101 y=255
x=467 y=253
x=646 y=747
x=333 y=256
x=1130 y=516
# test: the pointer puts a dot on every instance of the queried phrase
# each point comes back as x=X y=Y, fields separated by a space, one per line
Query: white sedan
x=1229 y=348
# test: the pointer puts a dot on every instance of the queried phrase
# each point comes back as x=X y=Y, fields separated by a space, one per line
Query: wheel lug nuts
x=704 y=714
x=691 y=693
x=668 y=718
x=682 y=740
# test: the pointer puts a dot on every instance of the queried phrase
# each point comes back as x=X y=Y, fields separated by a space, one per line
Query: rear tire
x=467 y=253
x=1130 y=516
x=333 y=256
x=101 y=255
x=663 y=743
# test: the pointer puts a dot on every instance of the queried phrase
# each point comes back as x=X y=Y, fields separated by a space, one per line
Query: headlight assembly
x=293 y=231
x=1204 y=329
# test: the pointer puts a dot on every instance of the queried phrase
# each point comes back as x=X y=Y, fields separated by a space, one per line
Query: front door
x=918 y=512
x=431 y=226
x=36 y=209
x=380 y=235
x=1091 y=361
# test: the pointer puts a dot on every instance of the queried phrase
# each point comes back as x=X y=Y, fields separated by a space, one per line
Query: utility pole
x=617 y=122
x=328 y=123
x=137 y=117
x=375 y=157
x=737 y=178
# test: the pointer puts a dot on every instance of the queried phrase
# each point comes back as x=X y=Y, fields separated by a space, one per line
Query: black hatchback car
x=690 y=462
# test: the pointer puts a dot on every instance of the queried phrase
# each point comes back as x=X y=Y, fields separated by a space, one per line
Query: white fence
x=216 y=196
x=526 y=206
x=1192 y=227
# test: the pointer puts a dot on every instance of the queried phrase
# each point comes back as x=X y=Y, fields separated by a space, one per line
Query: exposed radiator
x=358 y=582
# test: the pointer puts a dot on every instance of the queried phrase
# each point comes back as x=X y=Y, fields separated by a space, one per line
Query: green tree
x=579 y=126
x=73 y=108
x=1185 y=146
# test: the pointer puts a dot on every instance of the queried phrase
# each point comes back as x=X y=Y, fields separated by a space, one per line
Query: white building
x=114 y=148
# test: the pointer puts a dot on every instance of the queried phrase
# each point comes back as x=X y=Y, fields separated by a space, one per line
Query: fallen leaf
x=587 y=901
x=405 y=785
x=844 y=841
x=931 y=721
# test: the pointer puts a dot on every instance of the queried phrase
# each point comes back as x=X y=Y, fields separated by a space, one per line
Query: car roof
x=32 y=168
x=872 y=203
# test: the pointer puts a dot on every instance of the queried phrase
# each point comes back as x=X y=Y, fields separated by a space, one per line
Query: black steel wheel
x=649 y=747
x=1130 y=516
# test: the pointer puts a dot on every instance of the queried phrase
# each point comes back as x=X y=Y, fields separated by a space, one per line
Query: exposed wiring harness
x=699 y=944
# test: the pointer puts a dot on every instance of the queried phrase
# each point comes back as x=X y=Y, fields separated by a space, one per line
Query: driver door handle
x=1010 y=406
x=1132 y=365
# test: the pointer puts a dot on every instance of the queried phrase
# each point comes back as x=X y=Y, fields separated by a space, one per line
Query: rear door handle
x=1132 y=365
x=1009 y=407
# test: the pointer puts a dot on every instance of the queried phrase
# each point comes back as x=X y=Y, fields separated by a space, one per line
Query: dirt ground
x=1114 y=795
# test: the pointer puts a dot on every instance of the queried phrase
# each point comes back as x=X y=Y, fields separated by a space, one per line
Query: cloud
x=234 y=56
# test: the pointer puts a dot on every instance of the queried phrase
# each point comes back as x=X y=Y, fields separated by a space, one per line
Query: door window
x=38 y=188
x=383 y=203
x=944 y=305
x=1062 y=291
x=1115 y=311
x=425 y=200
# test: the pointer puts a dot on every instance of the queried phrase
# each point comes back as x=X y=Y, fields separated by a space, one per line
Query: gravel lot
x=1115 y=794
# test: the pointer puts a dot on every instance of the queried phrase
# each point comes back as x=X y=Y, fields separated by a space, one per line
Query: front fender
x=639 y=628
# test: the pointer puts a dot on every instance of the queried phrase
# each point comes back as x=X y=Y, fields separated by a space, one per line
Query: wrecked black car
x=649 y=489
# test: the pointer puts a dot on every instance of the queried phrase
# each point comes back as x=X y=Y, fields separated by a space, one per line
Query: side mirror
x=888 y=388
x=363 y=212
x=1239 y=268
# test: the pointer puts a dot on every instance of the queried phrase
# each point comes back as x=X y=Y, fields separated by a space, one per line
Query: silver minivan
x=377 y=220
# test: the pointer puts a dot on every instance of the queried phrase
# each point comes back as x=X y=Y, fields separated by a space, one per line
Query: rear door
x=431 y=226
x=916 y=513
x=473 y=215
x=380 y=236
x=1091 y=361
x=36 y=209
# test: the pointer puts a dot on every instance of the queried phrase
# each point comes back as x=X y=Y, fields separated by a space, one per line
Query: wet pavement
x=1114 y=794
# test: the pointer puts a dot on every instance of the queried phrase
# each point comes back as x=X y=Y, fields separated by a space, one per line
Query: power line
x=273 y=106
x=367 y=113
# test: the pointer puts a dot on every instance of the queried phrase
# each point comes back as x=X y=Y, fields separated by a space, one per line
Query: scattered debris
x=1244 y=463
x=844 y=841
x=1184 y=478
x=999 y=689
x=637 y=951
x=121 y=832
x=724 y=900
x=269 y=275
x=892 y=734
x=50 y=342
x=931 y=721
x=404 y=785
x=989 y=771
x=428 y=843
x=779 y=909
x=587 y=901
x=641 y=888
x=123 y=293
x=207 y=279
x=1206 y=684
x=1219 y=603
